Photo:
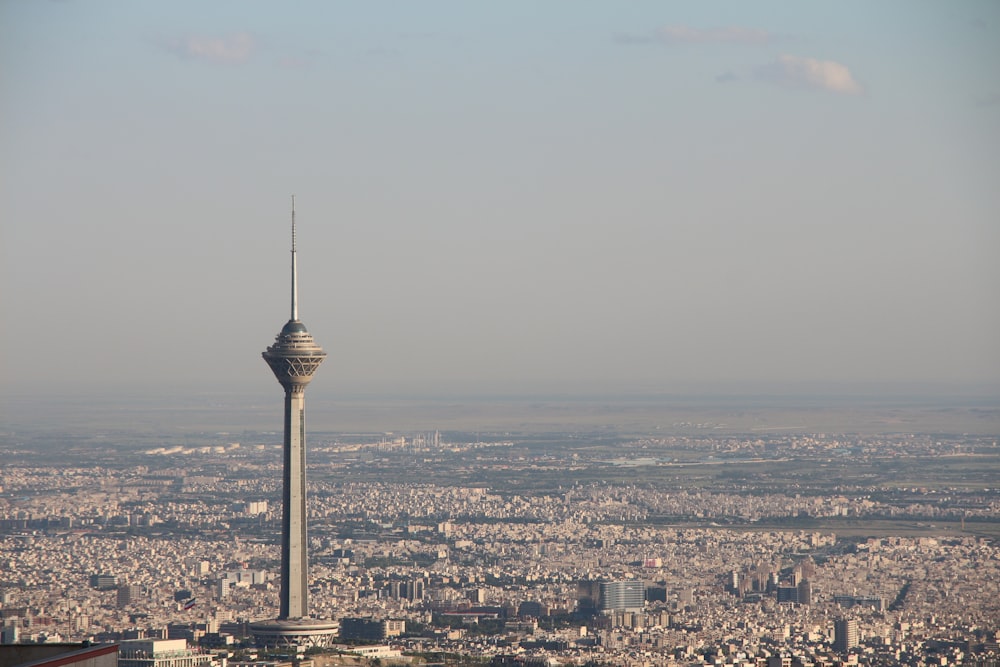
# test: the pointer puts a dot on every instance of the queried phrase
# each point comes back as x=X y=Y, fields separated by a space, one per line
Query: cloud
x=799 y=72
x=727 y=77
x=682 y=34
x=230 y=49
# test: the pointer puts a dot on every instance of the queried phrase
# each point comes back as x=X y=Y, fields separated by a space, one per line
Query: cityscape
x=575 y=547
x=640 y=334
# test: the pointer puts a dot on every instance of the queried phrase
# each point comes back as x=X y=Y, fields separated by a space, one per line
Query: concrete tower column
x=294 y=550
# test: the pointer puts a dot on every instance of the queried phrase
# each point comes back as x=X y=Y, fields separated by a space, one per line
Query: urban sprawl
x=512 y=549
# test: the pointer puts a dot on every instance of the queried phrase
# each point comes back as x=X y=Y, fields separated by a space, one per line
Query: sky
x=509 y=197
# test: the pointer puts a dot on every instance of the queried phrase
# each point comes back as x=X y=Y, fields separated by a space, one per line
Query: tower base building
x=300 y=632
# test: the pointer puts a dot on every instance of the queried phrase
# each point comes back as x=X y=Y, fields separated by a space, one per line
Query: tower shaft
x=294 y=543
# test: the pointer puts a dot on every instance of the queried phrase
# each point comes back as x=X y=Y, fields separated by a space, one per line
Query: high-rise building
x=294 y=358
x=588 y=595
x=787 y=594
x=845 y=634
x=531 y=609
x=127 y=594
x=627 y=595
x=805 y=592
x=104 y=582
x=416 y=589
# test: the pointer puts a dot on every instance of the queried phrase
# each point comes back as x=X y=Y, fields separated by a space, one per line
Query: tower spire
x=295 y=272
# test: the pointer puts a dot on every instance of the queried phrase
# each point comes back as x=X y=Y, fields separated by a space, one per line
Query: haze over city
x=501 y=198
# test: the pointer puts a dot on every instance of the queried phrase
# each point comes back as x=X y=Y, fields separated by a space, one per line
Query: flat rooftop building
x=160 y=653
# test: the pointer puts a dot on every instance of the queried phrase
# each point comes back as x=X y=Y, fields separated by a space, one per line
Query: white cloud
x=799 y=72
x=231 y=49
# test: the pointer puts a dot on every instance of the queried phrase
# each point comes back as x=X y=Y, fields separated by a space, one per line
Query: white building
x=160 y=653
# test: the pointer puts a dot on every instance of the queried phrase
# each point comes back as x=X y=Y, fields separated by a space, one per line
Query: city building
x=622 y=596
x=10 y=632
x=370 y=630
x=787 y=594
x=848 y=601
x=294 y=358
x=127 y=594
x=370 y=652
x=804 y=592
x=160 y=653
x=845 y=634
x=104 y=582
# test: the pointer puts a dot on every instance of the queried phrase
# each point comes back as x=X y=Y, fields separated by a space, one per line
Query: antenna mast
x=295 y=272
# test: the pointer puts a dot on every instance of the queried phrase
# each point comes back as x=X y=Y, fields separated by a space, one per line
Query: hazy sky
x=508 y=196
